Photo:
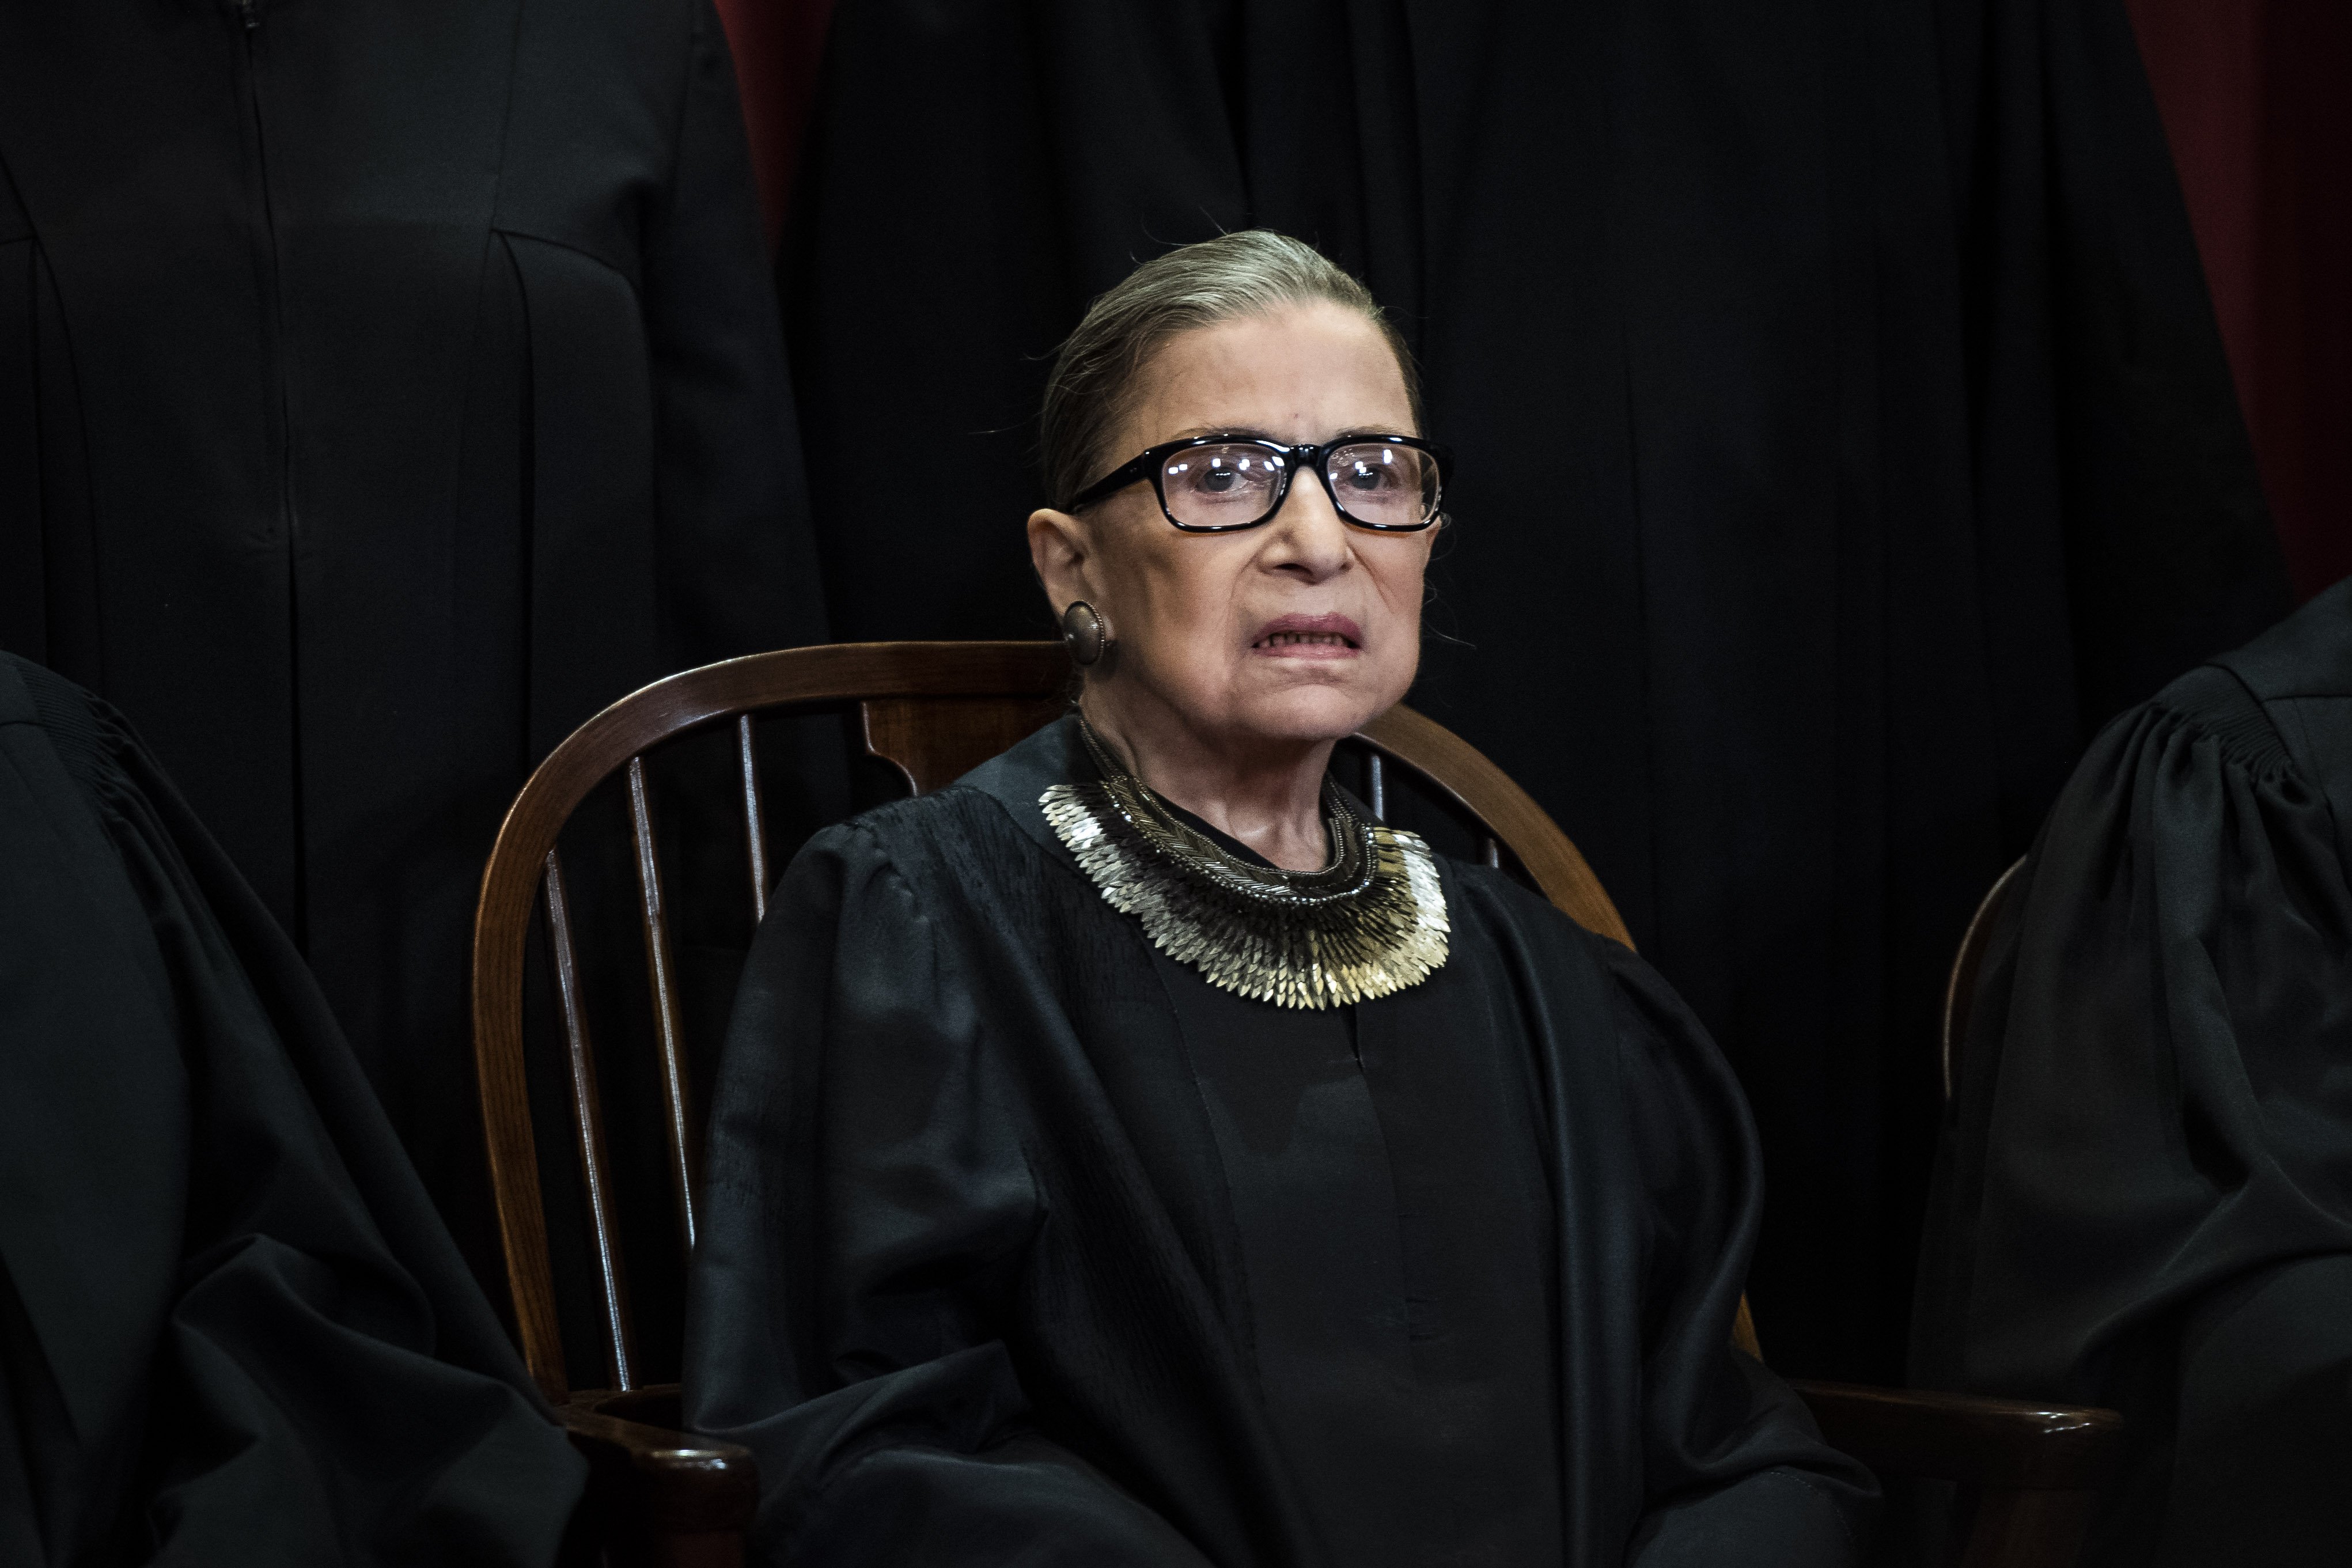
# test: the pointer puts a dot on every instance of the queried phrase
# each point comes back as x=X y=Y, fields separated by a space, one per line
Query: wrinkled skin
x=1239 y=659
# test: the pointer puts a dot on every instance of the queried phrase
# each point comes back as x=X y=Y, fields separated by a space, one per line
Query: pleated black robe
x=232 y=1328
x=2145 y=1197
x=979 y=1278
x=1843 y=433
x=385 y=386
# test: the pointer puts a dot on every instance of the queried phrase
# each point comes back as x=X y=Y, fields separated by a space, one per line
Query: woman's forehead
x=1308 y=373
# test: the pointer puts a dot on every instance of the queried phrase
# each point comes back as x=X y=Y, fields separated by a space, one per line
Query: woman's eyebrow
x=1252 y=431
x=1354 y=433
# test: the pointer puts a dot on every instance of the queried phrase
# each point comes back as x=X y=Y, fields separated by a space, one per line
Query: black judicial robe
x=385 y=386
x=2144 y=1199
x=232 y=1329
x=1843 y=435
x=1023 y=1242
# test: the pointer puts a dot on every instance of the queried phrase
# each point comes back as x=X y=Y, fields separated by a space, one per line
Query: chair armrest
x=1961 y=1437
x=660 y=1481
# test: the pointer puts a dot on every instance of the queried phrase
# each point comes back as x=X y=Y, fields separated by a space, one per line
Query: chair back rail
x=755 y=820
x=1512 y=818
x=1960 y=989
x=933 y=711
x=588 y=1123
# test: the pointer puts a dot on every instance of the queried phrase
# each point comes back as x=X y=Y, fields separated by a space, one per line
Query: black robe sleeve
x=232 y=1328
x=1733 y=1467
x=868 y=1201
x=2144 y=1195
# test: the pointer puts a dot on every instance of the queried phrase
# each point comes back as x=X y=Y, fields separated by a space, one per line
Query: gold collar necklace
x=1370 y=924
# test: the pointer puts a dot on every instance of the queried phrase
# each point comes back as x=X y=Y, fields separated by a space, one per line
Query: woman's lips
x=1310 y=636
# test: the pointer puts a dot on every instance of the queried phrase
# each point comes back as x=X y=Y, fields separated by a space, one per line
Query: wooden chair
x=2058 y=1510
x=1961 y=989
x=934 y=711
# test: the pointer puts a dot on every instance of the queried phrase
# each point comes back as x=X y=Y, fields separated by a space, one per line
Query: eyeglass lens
x=1377 y=483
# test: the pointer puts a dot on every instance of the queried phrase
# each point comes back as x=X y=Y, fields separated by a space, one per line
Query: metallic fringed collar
x=1370 y=923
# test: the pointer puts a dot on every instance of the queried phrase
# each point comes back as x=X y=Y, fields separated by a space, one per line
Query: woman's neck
x=1266 y=792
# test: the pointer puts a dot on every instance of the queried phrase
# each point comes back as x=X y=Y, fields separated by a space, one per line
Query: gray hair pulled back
x=1254 y=272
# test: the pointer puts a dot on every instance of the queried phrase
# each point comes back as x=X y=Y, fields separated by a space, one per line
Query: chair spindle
x=755 y=824
x=1376 y=780
x=1494 y=853
x=588 y=1120
x=678 y=1115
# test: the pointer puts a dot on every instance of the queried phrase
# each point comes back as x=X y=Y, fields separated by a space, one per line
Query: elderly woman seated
x=1138 y=1153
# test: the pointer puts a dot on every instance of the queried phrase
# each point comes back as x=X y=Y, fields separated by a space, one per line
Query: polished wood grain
x=669 y=1500
x=1509 y=814
x=680 y=1131
x=1743 y=1331
x=1960 y=989
x=2016 y=1444
x=755 y=819
x=588 y=1126
x=934 y=742
x=2029 y=1473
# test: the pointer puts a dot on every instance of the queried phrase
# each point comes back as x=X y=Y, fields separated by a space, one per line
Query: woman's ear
x=1062 y=553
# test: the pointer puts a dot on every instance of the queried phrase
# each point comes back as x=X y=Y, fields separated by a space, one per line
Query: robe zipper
x=249 y=16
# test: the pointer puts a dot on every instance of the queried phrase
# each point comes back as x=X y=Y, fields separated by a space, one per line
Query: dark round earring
x=1085 y=633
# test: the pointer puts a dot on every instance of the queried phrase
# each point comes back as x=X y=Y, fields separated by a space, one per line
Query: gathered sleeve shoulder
x=2153 y=1097
x=869 y=1204
x=231 y=1323
x=2144 y=1195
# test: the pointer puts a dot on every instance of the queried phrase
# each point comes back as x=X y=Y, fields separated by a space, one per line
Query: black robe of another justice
x=385 y=386
x=1843 y=433
x=991 y=1266
x=232 y=1329
x=2145 y=1200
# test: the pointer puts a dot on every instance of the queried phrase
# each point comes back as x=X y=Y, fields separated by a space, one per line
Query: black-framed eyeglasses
x=1221 y=484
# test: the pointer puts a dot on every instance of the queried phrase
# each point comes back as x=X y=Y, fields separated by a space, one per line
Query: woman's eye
x=1242 y=476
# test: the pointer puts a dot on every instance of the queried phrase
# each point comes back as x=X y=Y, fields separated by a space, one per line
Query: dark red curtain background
x=2257 y=99
x=777 y=44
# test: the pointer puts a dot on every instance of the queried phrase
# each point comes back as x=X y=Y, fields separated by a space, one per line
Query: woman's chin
x=1313 y=710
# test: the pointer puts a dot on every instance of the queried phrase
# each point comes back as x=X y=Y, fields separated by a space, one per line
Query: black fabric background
x=1842 y=428
x=385 y=387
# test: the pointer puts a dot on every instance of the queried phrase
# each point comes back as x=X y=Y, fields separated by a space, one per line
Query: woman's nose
x=1310 y=537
